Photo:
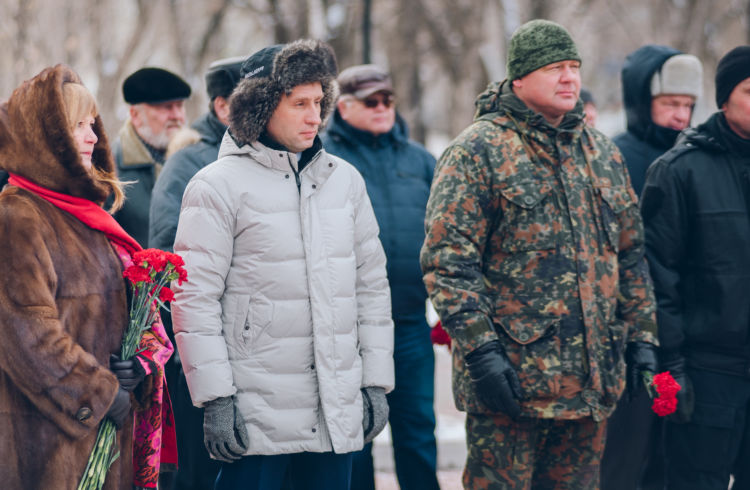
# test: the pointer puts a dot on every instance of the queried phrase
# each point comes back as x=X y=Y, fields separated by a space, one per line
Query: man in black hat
x=367 y=131
x=156 y=97
x=196 y=471
x=284 y=327
x=696 y=212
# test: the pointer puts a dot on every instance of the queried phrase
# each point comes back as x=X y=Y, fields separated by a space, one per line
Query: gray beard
x=160 y=141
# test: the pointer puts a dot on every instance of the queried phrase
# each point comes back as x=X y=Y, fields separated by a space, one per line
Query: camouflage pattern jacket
x=534 y=238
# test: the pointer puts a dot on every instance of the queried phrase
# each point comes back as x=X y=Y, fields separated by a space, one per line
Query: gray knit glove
x=375 y=407
x=224 y=432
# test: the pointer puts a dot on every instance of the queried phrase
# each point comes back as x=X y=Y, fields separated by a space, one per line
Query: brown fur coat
x=63 y=303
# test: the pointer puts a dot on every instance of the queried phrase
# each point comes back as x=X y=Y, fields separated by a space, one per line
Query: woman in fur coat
x=63 y=300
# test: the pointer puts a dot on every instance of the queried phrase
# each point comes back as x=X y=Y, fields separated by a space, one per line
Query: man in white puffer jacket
x=284 y=328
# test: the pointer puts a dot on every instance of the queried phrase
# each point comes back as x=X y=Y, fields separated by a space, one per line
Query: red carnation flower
x=136 y=273
x=166 y=294
x=665 y=401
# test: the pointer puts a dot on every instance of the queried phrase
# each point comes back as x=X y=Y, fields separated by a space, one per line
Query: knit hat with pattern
x=538 y=43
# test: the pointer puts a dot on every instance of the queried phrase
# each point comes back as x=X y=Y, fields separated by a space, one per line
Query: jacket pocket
x=710 y=434
x=534 y=350
x=530 y=216
x=614 y=200
x=258 y=317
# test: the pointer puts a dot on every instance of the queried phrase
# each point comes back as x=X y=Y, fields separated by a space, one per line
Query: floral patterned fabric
x=154 y=436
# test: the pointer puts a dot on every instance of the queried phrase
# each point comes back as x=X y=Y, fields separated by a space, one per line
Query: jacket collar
x=280 y=159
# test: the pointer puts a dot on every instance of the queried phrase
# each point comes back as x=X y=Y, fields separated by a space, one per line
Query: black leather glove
x=495 y=381
x=224 y=432
x=130 y=373
x=120 y=409
x=375 y=408
x=686 y=396
x=640 y=358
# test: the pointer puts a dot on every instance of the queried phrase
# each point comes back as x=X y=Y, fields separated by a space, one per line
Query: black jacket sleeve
x=664 y=209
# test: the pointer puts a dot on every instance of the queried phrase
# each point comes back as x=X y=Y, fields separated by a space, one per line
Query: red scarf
x=88 y=212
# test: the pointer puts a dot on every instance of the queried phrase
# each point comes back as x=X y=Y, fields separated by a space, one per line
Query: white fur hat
x=681 y=74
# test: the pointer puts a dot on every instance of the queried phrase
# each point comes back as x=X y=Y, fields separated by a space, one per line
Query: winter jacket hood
x=255 y=99
x=637 y=72
x=37 y=143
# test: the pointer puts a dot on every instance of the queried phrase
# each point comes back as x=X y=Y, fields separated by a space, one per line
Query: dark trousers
x=633 y=456
x=702 y=453
x=411 y=416
x=303 y=471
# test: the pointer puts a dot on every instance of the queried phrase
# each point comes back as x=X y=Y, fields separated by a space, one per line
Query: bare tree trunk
x=109 y=93
x=366 y=31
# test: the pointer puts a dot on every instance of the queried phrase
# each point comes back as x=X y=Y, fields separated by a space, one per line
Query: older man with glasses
x=367 y=131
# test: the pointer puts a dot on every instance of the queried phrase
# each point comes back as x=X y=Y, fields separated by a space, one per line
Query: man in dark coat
x=196 y=471
x=367 y=131
x=156 y=97
x=660 y=86
x=696 y=213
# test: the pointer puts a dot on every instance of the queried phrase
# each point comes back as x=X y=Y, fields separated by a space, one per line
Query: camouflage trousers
x=532 y=453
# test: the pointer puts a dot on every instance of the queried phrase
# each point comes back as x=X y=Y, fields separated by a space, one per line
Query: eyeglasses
x=373 y=102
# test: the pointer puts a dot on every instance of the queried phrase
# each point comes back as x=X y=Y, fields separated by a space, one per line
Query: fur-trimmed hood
x=36 y=142
x=255 y=98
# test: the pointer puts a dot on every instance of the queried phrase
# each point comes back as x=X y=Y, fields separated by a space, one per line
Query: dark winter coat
x=137 y=165
x=398 y=173
x=643 y=141
x=62 y=300
x=697 y=219
x=166 y=197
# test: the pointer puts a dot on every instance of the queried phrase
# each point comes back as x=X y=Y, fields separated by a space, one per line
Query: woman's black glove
x=495 y=381
x=129 y=373
x=120 y=409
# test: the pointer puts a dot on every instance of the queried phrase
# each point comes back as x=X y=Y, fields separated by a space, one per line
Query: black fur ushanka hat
x=274 y=71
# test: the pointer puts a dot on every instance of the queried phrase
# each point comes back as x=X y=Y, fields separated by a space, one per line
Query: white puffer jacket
x=287 y=306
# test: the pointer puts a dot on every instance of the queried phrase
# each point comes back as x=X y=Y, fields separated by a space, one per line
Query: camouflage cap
x=538 y=43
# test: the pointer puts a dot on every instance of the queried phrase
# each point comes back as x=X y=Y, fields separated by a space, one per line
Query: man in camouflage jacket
x=534 y=259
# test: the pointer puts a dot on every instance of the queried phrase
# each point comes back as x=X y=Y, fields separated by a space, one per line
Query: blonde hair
x=79 y=103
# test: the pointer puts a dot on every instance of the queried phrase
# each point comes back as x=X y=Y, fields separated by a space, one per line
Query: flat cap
x=361 y=81
x=153 y=86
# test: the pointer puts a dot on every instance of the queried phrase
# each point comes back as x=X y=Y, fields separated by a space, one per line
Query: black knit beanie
x=538 y=43
x=733 y=68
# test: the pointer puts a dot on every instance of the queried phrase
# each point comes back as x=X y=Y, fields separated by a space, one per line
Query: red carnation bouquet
x=662 y=388
x=149 y=275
